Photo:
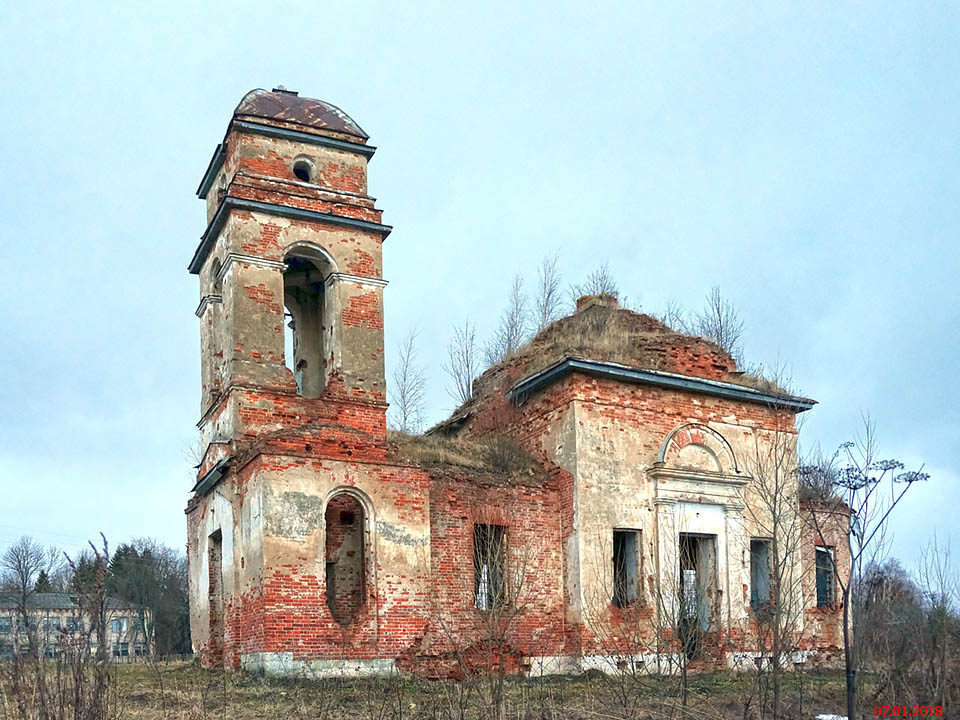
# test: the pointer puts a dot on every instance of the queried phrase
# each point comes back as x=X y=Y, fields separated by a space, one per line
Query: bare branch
x=598 y=282
x=720 y=322
x=548 y=303
x=408 y=392
x=675 y=317
x=463 y=362
x=511 y=333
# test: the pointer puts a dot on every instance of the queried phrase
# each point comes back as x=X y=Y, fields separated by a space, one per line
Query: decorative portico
x=699 y=498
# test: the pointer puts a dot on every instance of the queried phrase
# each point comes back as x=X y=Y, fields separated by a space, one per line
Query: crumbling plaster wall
x=620 y=431
x=234 y=508
x=546 y=426
x=397 y=562
x=242 y=335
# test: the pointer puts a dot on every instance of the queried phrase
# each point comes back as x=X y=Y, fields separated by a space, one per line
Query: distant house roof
x=54 y=601
x=288 y=106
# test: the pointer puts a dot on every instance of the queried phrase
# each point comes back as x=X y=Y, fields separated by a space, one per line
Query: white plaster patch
x=283 y=664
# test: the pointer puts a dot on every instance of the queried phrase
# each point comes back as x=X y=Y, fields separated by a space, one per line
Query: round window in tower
x=303 y=169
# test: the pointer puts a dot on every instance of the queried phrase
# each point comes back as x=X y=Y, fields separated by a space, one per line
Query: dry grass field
x=183 y=690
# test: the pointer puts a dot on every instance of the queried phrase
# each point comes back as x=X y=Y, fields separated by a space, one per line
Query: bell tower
x=292 y=247
x=283 y=540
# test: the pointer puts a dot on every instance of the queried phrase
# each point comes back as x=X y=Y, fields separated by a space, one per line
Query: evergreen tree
x=43 y=584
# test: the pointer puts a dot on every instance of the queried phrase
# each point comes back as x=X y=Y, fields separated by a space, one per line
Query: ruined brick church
x=599 y=496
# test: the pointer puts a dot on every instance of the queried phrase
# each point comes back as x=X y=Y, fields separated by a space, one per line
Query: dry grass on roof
x=601 y=333
x=489 y=454
x=608 y=333
x=759 y=383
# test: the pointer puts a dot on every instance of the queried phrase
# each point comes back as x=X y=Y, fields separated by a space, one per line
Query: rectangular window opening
x=825 y=577
x=489 y=560
x=626 y=567
x=759 y=573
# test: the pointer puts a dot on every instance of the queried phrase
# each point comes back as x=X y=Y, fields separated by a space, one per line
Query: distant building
x=58 y=621
x=604 y=480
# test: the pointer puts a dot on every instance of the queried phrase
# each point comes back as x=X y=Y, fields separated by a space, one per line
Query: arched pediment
x=696 y=447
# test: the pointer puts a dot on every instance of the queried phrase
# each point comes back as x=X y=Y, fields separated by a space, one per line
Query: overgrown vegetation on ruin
x=493 y=453
x=539 y=329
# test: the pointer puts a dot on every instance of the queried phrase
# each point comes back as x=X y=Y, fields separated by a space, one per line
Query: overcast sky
x=803 y=156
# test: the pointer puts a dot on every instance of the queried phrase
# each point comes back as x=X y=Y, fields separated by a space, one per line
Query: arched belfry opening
x=307 y=335
x=345 y=557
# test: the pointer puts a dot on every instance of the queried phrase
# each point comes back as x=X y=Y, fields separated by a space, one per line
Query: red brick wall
x=534 y=624
x=272 y=157
x=385 y=611
x=824 y=625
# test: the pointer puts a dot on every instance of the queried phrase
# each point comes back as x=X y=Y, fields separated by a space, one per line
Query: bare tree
x=480 y=640
x=511 y=332
x=151 y=577
x=548 y=303
x=65 y=673
x=911 y=648
x=778 y=534
x=463 y=361
x=193 y=452
x=938 y=638
x=22 y=563
x=599 y=282
x=631 y=633
x=720 y=322
x=675 y=317
x=866 y=490
x=408 y=393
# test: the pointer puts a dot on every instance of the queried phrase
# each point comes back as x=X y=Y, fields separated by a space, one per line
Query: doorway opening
x=698 y=590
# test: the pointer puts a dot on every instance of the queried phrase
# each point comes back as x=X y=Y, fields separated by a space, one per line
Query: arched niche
x=699 y=448
x=348 y=519
x=307 y=328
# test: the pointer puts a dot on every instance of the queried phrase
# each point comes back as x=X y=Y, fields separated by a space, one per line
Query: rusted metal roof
x=286 y=105
x=519 y=392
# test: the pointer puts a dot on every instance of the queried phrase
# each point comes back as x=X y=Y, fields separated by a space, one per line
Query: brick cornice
x=229 y=204
x=225 y=393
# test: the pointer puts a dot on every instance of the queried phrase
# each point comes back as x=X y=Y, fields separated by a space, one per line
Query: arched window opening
x=306 y=350
x=345 y=553
x=215 y=280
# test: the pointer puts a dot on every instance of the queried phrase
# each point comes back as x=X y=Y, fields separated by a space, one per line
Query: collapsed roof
x=602 y=338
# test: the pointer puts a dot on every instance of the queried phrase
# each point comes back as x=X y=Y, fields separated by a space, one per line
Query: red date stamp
x=908 y=710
